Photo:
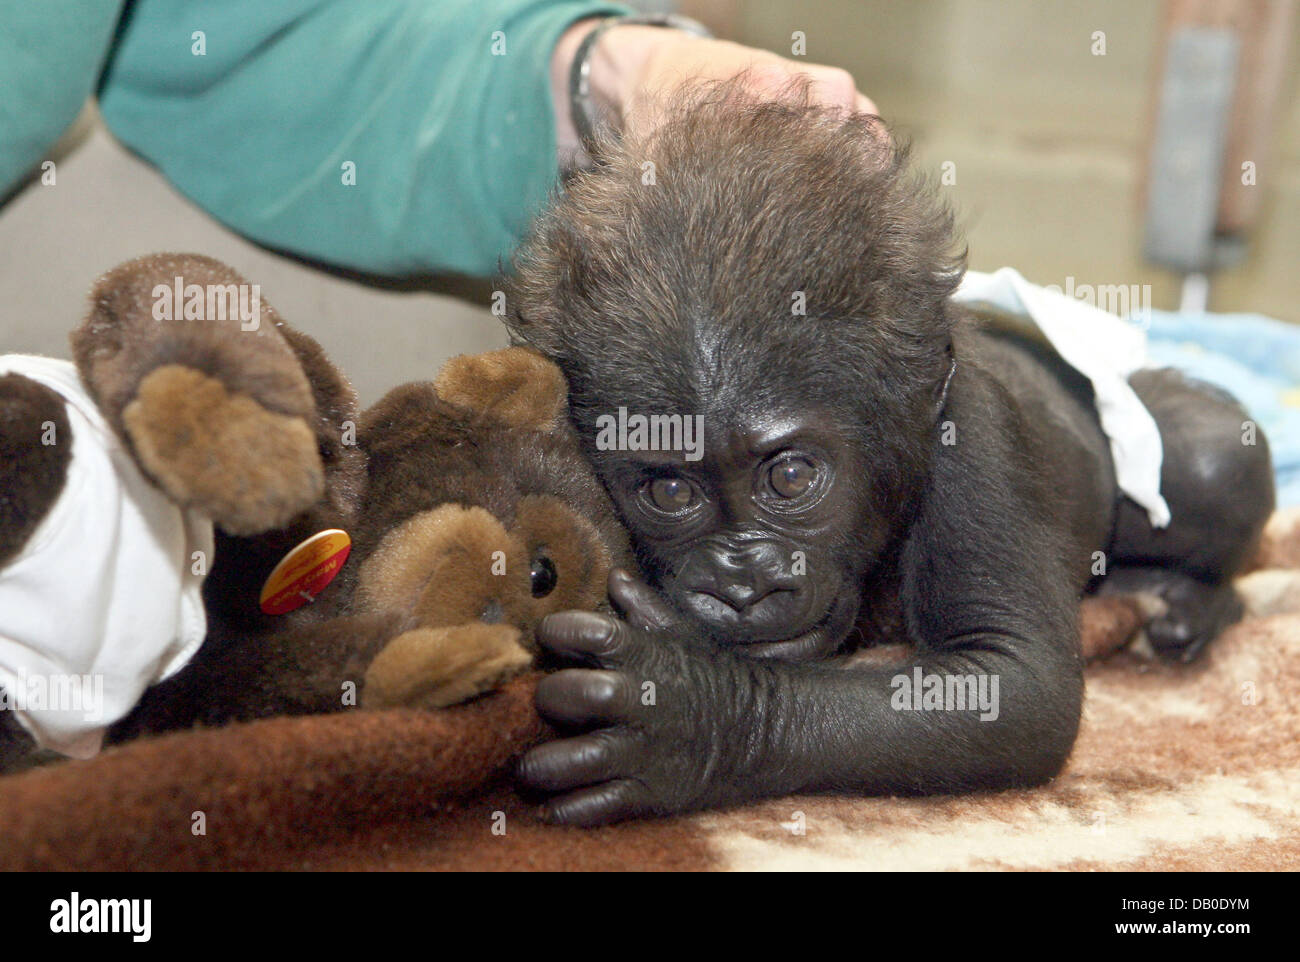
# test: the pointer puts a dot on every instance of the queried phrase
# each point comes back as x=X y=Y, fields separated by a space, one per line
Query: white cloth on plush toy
x=1104 y=349
x=102 y=602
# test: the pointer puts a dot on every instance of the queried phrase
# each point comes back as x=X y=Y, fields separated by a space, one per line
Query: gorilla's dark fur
x=679 y=295
x=668 y=279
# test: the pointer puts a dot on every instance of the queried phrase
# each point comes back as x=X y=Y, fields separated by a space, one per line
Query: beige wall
x=108 y=206
x=1048 y=140
x=1045 y=137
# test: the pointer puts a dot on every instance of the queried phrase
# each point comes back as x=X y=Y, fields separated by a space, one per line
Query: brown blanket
x=1175 y=768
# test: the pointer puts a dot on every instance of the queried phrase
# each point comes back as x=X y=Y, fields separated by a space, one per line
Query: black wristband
x=580 y=105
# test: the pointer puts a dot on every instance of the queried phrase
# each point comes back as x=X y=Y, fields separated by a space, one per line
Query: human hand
x=633 y=67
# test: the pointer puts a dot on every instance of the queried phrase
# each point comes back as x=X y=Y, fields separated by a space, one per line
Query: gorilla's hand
x=658 y=725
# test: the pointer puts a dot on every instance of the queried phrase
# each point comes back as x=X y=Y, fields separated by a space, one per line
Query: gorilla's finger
x=573 y=762
x=588 y=636
x=640 y=604
x=599 y=805
x=578 y=696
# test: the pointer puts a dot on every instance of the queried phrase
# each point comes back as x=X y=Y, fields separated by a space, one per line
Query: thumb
x=640 y=604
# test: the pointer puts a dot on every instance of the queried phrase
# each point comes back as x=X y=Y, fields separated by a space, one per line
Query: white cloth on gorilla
x=1106 y=350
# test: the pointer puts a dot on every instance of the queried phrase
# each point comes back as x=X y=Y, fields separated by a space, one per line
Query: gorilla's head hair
x=747 y=254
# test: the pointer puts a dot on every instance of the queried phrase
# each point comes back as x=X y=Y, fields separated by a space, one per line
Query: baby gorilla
x=875 y=468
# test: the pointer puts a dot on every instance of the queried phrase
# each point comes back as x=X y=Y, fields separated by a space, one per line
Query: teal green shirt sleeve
x=391 y=136
x=51 y=53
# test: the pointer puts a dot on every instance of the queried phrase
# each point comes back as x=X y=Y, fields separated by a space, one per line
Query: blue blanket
x=1255 y=358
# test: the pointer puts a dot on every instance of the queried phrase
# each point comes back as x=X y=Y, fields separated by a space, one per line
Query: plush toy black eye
x=671 y=494
x=792 y=477
x=543 y=575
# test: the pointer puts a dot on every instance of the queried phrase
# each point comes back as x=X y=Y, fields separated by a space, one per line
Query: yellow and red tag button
x=304 y=572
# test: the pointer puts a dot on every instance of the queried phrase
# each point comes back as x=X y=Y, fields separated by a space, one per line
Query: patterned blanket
x=1176 y=768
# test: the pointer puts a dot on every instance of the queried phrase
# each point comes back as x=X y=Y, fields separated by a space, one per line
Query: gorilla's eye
x=792 y=477
x=543 y=575
x=671 y=494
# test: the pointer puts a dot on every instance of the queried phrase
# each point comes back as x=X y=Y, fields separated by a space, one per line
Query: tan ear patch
x=247 y=468
x=448 y=566
x=515 y=385
x=437 y=667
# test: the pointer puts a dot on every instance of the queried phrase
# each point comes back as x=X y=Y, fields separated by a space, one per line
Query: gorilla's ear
x=516 y=385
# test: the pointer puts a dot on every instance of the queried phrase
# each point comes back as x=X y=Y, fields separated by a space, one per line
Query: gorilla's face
x=760 y=540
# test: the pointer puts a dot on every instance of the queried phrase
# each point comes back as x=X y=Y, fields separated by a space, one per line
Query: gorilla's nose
x=736 y=582
x=738 y=585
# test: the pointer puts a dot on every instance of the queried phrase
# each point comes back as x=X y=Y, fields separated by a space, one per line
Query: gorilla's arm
x=988 y=589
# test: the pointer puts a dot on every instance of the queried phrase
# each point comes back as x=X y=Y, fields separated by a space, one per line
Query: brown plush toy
x=203 y=444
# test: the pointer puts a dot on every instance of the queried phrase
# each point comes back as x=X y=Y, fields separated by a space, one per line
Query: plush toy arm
x=379 y=660
x=310 y=669
x=219 y=401
x=438 y=667
x=515 y=385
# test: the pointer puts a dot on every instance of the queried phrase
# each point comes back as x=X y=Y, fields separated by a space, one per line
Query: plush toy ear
x=516 y=385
